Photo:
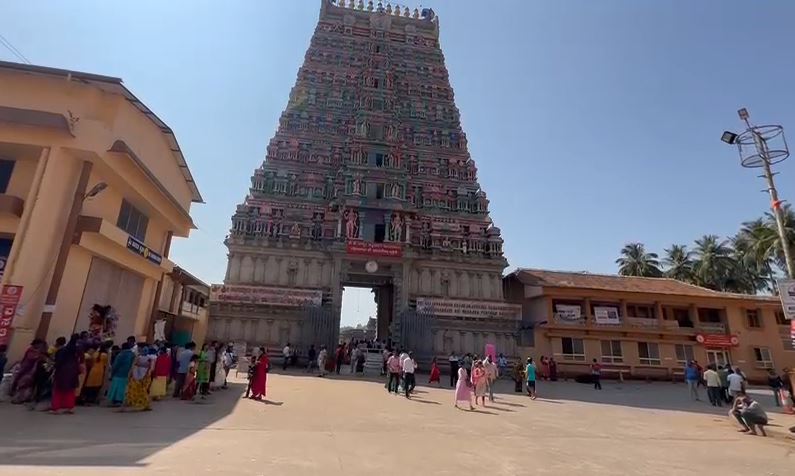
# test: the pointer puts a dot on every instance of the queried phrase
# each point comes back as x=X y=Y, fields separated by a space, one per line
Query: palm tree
x=788 y=216
x=635 y=261
x=755 y=249
x=714 y=265
x=679 y=261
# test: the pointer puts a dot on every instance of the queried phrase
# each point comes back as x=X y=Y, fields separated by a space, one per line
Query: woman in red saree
x=260 y=380
x=435 y=373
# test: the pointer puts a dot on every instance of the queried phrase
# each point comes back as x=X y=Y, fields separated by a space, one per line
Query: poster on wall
x=274 y=296
x=461 y=308
x=9 y=300
x=606 y=315
x=568 y=312
x=786 y=290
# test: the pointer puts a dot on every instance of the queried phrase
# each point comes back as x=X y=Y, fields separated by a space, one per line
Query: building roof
x=114 y=85
x=627 y=284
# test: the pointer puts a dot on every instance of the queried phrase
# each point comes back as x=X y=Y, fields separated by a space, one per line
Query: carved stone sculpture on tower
x=397 y=228
x=352 y=225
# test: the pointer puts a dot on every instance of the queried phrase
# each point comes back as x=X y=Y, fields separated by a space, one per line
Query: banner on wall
x=606 y=315
x=491 y=350
x=786 y=291
x=273 y=296
x=9 y=300
x=568 y=312
x=460 y=308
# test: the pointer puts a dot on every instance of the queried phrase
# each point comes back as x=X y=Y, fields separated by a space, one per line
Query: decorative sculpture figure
x=352 y=225
x=397 y=228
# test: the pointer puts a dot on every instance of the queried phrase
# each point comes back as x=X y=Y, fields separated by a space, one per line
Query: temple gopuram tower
x=367 y=182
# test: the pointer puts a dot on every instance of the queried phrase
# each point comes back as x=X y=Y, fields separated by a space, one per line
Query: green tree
x=678 y=261
x=789 y=229
x=635 y=261
x=755 y=248
x=714 y=265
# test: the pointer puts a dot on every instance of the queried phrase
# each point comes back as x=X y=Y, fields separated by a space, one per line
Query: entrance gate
x=415 y=332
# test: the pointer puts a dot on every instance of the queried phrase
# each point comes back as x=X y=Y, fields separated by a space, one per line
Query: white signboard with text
x=454 y=307
x=606 y=315
x=568 y=312
x=272 y=296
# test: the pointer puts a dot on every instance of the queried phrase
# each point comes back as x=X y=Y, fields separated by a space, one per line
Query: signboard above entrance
x=389 y=250
x=137 y=247
x=475 y=309
x=717 y=340
x=272 y=296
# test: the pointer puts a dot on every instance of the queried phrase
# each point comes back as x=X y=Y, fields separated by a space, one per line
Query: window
x=6 y=169
x=763 y=357
x=379 y=190
x=611 y=352
x=649 y=353
x=380 y=233
x=781 y=318
x=709 y=315
x=573 y=349
x=132 y=220
x=643 y=311
x=379 y=160
x=752 y=318
x=684 y=353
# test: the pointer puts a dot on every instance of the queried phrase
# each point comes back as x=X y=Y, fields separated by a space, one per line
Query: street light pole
x=762 y=147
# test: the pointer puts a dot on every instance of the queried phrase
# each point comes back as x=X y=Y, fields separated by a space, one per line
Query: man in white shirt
x=286 y=352
x=736 y=381
x=714 y=388
x=408 y=365
x=491 y=376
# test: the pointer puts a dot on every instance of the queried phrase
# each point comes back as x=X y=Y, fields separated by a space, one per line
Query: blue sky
x=593 y=123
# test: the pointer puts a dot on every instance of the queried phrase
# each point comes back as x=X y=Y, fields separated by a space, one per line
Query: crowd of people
x=87 y=371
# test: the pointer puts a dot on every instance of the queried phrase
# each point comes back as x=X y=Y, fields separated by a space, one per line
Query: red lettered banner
x=359 y=247
x=9 y=300
x=717 y=340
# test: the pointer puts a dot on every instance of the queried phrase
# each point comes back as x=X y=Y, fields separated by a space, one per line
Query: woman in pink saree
x=479 y=382
x=463 y=389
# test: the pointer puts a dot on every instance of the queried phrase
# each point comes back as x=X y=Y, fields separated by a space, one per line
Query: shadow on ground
x=98 y=436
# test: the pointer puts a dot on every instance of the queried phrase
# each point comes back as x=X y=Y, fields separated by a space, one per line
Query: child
x=161 y=373
x=252 y=367
x=436 y=374
x=189 y=389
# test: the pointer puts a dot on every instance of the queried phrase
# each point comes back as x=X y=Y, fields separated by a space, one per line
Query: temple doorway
x=366 y=312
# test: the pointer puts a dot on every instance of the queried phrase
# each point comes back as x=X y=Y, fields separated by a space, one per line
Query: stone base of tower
x=431 y=305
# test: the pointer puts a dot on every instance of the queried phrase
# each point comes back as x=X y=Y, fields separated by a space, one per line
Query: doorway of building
x=717 y=357
x=359 y=315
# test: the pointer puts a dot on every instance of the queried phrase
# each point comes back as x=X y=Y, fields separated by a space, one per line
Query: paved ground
x=313 y=426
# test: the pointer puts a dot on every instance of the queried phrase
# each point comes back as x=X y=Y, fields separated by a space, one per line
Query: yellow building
x=646 y=327
x=182 y=314
x=93 y=186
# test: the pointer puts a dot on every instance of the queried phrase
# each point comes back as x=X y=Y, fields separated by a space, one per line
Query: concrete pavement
x=344 y=425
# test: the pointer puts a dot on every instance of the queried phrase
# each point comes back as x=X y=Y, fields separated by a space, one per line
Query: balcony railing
x=712 y=327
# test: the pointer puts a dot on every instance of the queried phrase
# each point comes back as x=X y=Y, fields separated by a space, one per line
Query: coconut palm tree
x=755 y=247
x=788 y=216
x=714 y=265
x=679 y=263
x=635 y=261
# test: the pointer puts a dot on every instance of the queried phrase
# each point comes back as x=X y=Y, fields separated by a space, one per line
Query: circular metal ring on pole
x=761 y=144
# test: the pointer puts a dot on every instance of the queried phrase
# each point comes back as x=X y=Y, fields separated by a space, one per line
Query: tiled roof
x=629 y=284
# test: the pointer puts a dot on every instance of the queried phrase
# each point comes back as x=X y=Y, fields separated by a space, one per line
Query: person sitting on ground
x=749 y=414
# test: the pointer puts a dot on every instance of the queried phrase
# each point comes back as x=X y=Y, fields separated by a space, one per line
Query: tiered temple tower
x=367 y=181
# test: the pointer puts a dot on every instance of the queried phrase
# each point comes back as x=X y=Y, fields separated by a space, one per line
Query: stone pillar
x=587 y=312
x=659 y=314
x=623 y=305
x=692 y=313
x=387 y=227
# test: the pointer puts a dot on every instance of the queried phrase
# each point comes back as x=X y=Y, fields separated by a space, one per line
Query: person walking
x=393 y=368
x=436 y=375
x=736 y=383
x=311 y=358
x=553 y=369
x=692 y=377
x=596 y=375
x=260 y=380
x=120 y=373
x=453 y=360
x=183 y=364
x=723 y=374
x=227 y=359
x=776 y=384
x=212 y=360
x=502 y=364
x=203 y=373
x=160 y=375
x=479 y=381
x=340 y=357
x=491 y=376
x=714 y=388
x=137 y=396
x=409 y=366
x=286 y=353
x=518 y=377
x=66 y=377
x=97 y=375
x=530 y=374
x=188 y=390
x=252 y=368
x=322 y=356
x=463 y=389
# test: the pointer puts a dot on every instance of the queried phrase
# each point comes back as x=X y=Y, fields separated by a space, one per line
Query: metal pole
x=775 y=204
